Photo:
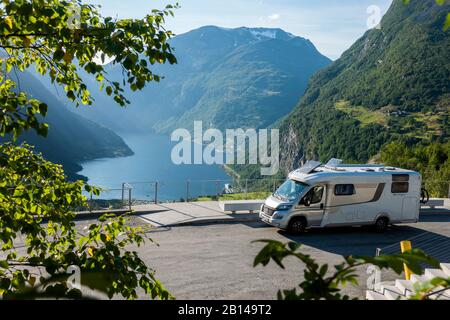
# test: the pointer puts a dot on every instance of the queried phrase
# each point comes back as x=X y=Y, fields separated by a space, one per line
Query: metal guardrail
x=110 y=199
x=137 y=193
x=187 y=190
x=433 y=244
x=134 y=193
x=127 y=190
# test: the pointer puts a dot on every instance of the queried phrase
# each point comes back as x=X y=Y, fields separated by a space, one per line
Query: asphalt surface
x=216 y=261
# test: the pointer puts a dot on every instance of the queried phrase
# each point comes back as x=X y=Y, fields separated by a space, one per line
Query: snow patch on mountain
x=268 y=33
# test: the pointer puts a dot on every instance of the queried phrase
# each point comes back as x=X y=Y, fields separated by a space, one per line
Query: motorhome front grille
x=269 y=211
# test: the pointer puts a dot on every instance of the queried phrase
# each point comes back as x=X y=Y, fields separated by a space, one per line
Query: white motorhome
x=337 y=194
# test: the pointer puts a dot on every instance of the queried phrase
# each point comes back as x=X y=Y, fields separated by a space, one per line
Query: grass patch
x=433 y=122
x=362 y=114
x=235 y=196
x=421 y=125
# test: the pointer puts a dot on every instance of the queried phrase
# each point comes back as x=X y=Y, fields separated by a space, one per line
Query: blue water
x=151 y=162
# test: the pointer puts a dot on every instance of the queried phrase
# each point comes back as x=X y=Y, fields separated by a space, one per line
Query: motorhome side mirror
x=307 y=202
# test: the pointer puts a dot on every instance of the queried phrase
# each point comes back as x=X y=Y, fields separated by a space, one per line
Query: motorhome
x=336 y=194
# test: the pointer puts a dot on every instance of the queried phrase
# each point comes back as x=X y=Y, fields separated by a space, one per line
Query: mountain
x=71 y=138
x=393 y=83
x=229 y=78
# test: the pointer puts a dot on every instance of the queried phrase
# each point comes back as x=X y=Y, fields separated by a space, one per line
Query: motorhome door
x=410 y=208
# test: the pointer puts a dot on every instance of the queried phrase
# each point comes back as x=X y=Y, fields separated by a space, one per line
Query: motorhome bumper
x=278 y=219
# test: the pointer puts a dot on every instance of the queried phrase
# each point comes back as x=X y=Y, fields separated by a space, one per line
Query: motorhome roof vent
x=368 y=170
x=309 y=167
x=333 y=163
x=390 y=168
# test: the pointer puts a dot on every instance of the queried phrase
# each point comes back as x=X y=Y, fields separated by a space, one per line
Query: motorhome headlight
x=284 y=207
x=278 y=216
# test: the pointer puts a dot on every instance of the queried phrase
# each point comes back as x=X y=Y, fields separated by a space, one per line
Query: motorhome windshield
x=290 y=190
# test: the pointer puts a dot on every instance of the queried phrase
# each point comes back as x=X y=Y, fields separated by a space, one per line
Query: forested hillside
x=432 y=160
x=392 y=83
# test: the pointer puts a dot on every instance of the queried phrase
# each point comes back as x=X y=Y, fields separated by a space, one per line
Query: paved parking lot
x=216 y=261
x=169 y=214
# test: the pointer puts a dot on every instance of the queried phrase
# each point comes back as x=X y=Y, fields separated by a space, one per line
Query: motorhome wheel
x=297 y=225
x=381 y=224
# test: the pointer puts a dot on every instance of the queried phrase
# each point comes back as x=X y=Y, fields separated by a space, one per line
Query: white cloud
x=273 y=17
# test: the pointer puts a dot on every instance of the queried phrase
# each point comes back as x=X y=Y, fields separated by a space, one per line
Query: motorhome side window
x=317 y=195
x=344 y=189
x=314 y=196
x=400 y=183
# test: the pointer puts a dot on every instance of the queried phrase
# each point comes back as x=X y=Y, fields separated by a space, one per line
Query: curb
x=203 y=222
x=199 y=222
x=237 y=218
x=430 y=212
x=97 y=214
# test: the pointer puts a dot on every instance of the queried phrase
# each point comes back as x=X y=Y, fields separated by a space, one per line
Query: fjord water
x=152 y=162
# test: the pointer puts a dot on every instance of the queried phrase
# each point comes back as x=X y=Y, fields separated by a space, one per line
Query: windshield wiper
x=279 y=196
x=276 y=195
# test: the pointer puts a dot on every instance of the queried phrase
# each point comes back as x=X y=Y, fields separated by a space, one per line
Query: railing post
x=246 y=188
x=123 y=192
x=187 y=190
x=406 y=246
x=156 y=192
x=218 y=189
x=129 y=198
x=90 y=204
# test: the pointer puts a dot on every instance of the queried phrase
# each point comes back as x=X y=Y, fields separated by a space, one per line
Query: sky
x=332 y=25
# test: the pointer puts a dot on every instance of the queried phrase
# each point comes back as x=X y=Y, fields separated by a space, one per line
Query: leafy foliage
x=61 y=37
x=433 y=288
x=320 y=282
x=36 y=204
x=38 y=237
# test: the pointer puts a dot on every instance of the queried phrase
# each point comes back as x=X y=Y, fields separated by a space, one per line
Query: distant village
x=396 y=113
